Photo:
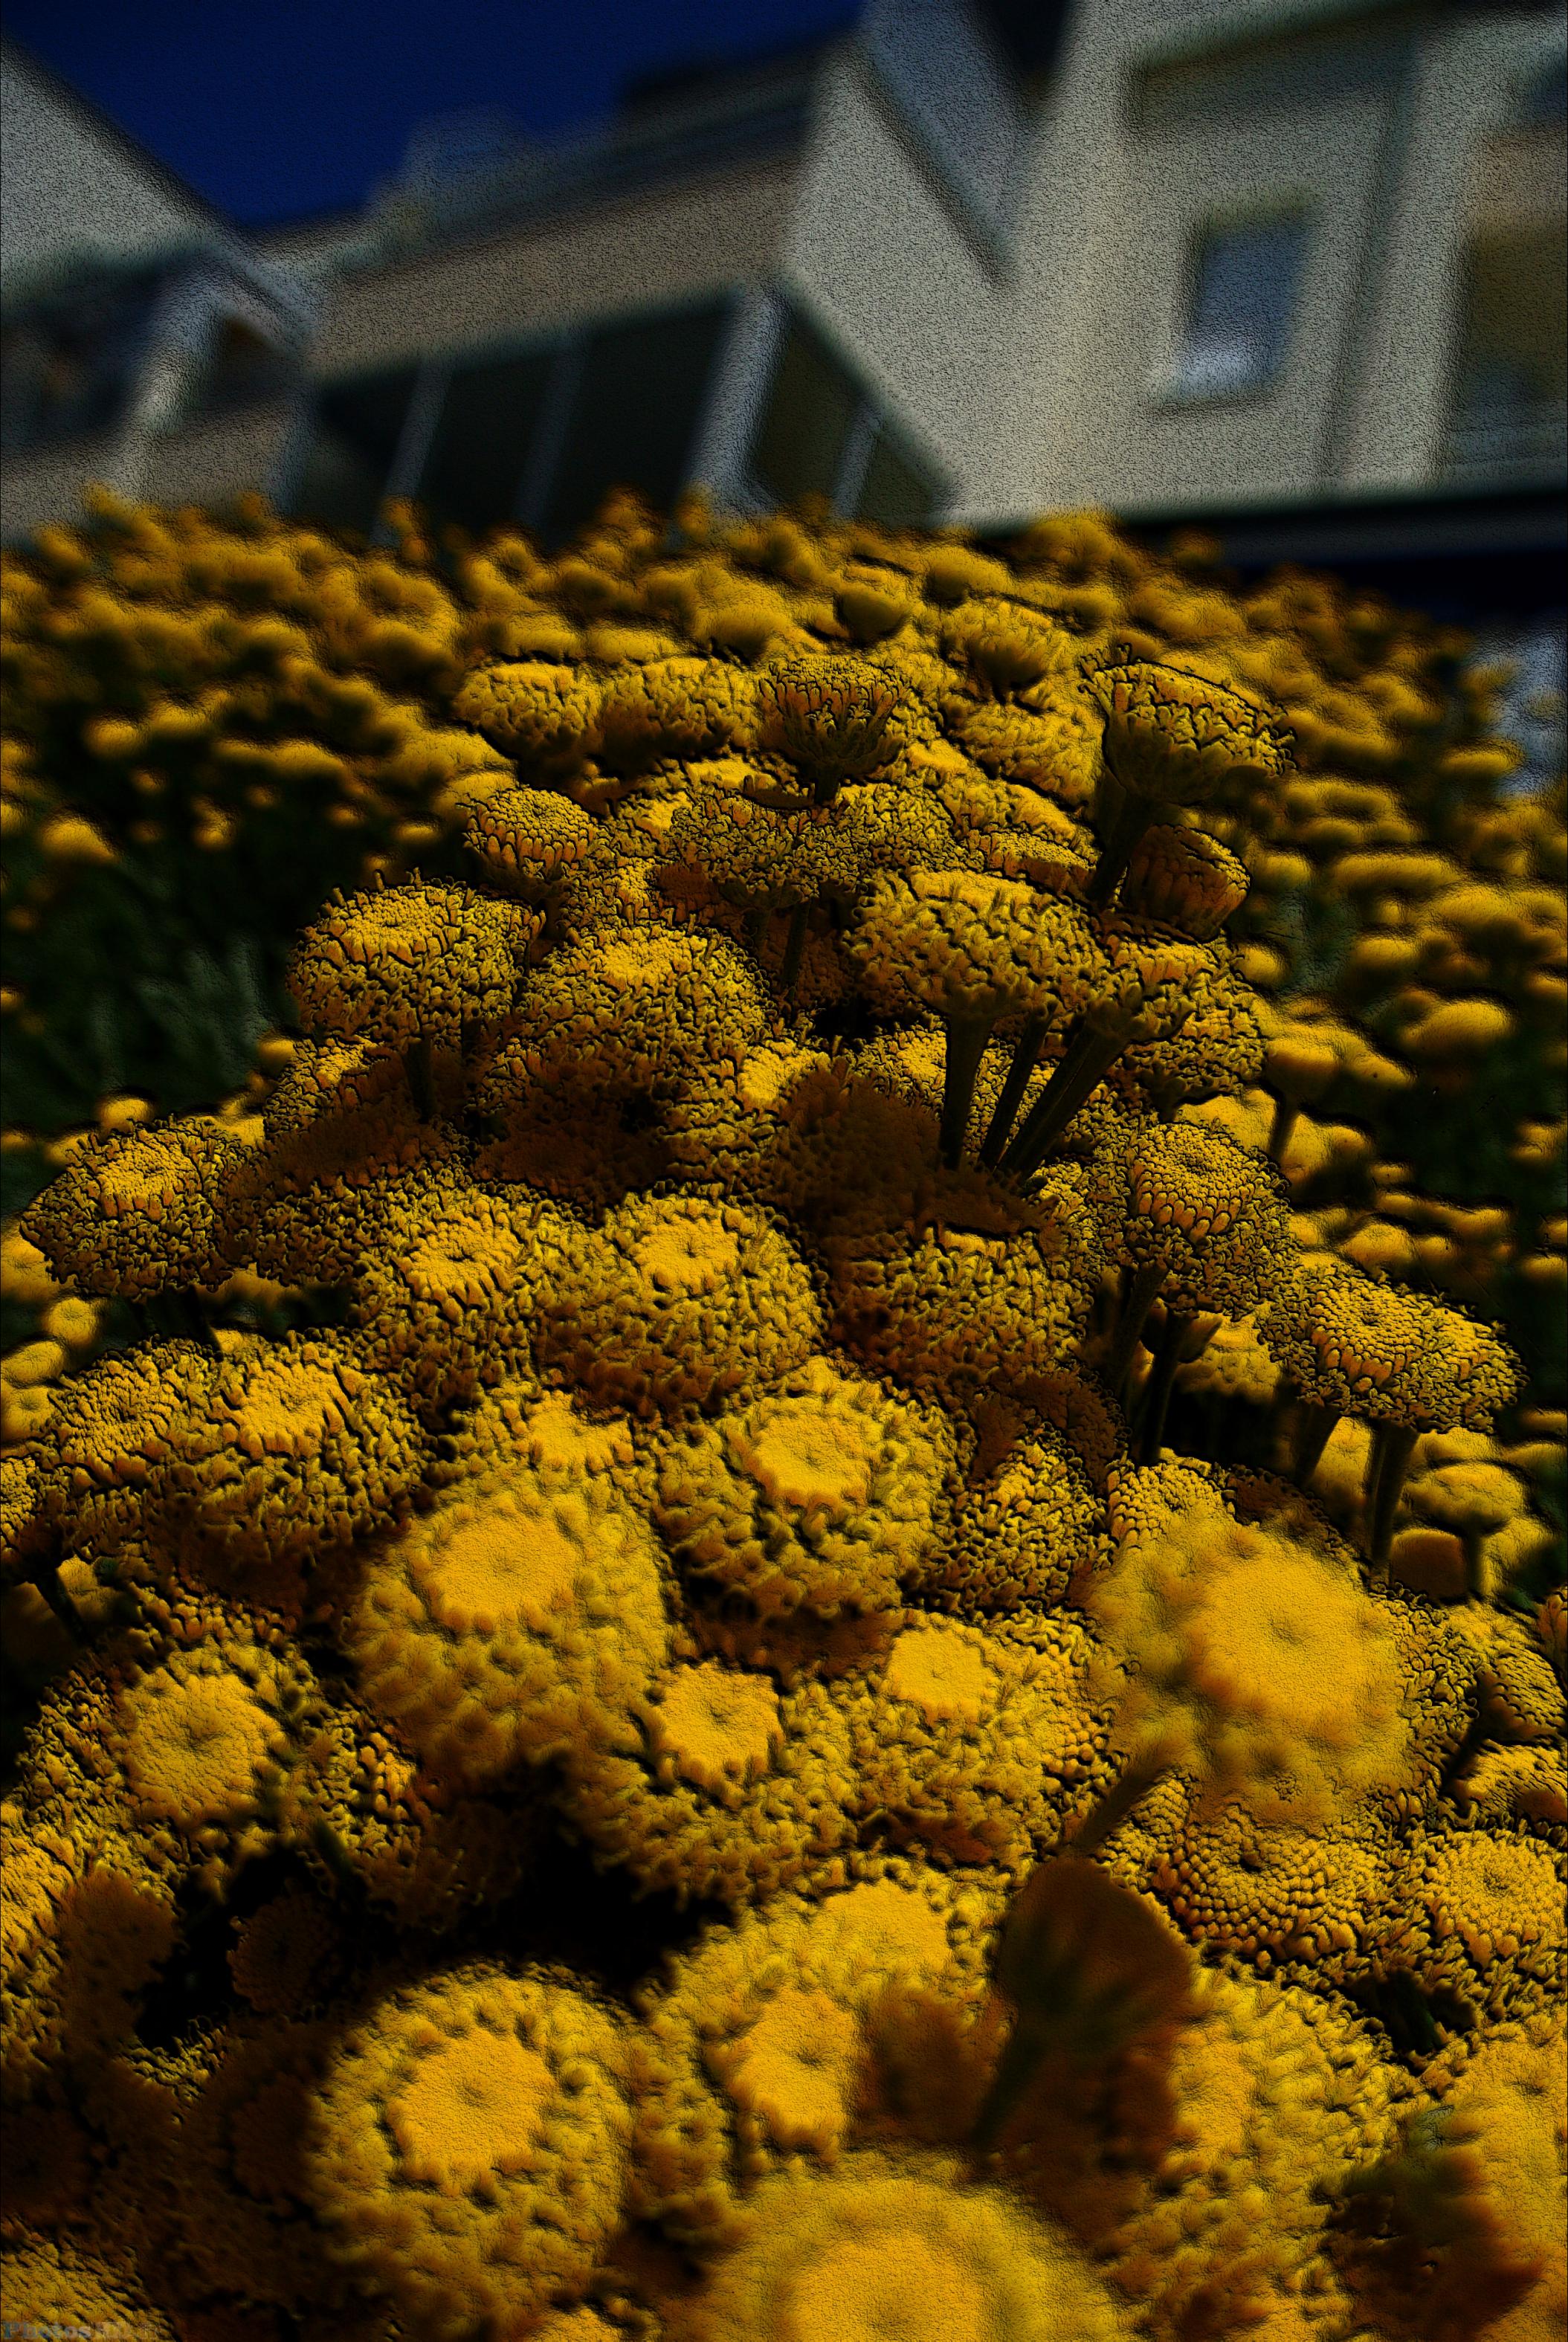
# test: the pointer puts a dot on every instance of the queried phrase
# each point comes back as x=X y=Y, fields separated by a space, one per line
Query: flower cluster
x=738 y=1634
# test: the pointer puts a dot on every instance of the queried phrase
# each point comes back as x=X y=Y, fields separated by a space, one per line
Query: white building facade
x=967 y=261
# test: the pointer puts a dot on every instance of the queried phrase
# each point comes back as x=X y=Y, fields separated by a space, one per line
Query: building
x=1292 y=269
x=146 y=341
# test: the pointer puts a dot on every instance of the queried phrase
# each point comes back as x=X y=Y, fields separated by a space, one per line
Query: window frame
x=1169 y=390
x=561 y=347
x=870 y=422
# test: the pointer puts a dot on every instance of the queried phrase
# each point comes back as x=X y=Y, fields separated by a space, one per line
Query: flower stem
x=1088 y=1057
x=795 y=948
x=1157 y=1396
x=1123 y=830
x=1141 y=1298
x=1393 y=1445
x=1105 y=1816
x=45 y=1576
x=420 y=1079
x=966 y=1039
x=1286 y=1112
x=1025 y=1057
x=1314 y=1430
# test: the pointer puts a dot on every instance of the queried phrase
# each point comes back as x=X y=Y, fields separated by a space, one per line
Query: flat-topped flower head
x=973 y=1739
x=971 y=945
x=441 y=1303
x=1175 y=736
x=1478 y=1917
x=1024 y=1533
x=1185 y=880
x=1255 y=1657
x=822 y=1494
x=627 y=1009
x=289 y=1448
x=714 y=1783
x=1008 y=646
x=828 y=714
x=543 y=712
x=1189 y=1197
x=110 y=1437
x=756 y=858
x=524 y=838
x=409 y=963
x=197 y=1739
x=677 y=1301
x=779 y=2007
x=684 y=708
x=1360 y=1344
x=889 y=2249
x=469 y=2146
x=136 y=1212
x=524 y=1609
x=716 y=1727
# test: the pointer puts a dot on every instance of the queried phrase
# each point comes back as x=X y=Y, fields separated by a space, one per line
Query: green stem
x=1127 y=826
x=1088 y=1058
x=1141 y=1298
x=966 y=1039
x=1314 y=1430
x=1025 y=1057
x=202 y=1327
x=752 y=932
x=45 y=1577
x=1395 y=1446
x=1157 y=1396
x=421 y=1079
x=1021 y=2055
x=1480 y=1576
x=795 y=948
x=1105 y=1816
x=1286 y=1112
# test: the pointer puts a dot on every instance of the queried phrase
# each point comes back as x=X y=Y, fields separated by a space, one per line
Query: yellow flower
x=828 y=716
x=1173 y=737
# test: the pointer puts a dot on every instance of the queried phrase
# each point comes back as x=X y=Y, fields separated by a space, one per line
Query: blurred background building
x=1291 y=271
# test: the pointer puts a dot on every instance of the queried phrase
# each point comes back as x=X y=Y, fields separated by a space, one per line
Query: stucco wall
x=878 y=255
x=669 y=245
x=47 y=484
x=68 y=188
x=1378 y=119
x=1465 y=169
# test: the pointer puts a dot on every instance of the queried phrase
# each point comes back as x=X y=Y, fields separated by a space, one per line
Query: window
x=1510 y=397
x=633 y=414
x=1243 y=283
x=800 y=441
x=70 y=365
x=358 y=423
x=1544 y=96
x=476 y=460
x=242 y=369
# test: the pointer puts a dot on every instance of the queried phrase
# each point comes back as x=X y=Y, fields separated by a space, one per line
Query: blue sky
x=299 y=106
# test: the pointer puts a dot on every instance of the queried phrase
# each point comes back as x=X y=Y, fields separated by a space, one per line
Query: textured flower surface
x=802 y=1587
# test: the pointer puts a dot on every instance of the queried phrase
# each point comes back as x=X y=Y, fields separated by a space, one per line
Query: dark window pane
x=800 y=440
x=71 y=362
x=635 y=414
x=243 y=367
x=1510 y=398
x=1245 y=280
x=357 y=425
x=480 y=446
x=1544 y=96
x=895 y=490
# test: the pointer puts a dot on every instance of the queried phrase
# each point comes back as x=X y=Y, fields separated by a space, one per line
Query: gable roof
x=104 y=128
